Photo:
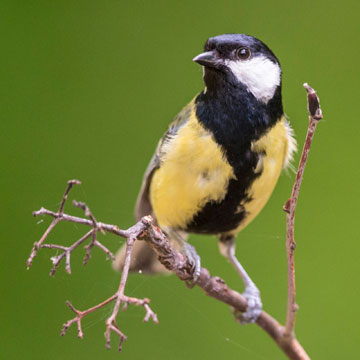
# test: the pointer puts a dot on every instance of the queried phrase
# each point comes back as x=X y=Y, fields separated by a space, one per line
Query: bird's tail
x=143 y=259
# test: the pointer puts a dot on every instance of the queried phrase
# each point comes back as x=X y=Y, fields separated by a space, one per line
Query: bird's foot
x=254 y=306
x=194 y=260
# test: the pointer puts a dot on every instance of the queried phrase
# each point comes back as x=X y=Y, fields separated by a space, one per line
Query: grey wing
x=143 y=204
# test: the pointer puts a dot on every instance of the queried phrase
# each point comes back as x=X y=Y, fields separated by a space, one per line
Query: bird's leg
x=180 y=237
x=251 y=293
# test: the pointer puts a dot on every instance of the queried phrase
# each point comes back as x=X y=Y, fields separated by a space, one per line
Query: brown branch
x=119 y=297
x=215 y=287
x=177 y=262
x=315 y=114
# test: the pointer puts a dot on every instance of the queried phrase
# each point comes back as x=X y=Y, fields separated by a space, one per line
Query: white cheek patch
x=260 y=75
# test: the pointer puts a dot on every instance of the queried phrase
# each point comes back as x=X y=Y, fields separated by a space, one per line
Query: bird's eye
x=243 y=53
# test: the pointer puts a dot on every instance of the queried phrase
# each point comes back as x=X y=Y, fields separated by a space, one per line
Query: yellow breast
x=193 y=171
x=277 y=146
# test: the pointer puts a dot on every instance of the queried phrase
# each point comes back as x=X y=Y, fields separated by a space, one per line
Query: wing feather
x=143 y=205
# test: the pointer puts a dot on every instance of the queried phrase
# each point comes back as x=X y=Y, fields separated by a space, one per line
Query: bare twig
x=57 y=218
x=96 y=228
x=60 y=216
x=66 y=253
x=177 y=262
x=315 y=114
x=119 y=297
x=111 y=322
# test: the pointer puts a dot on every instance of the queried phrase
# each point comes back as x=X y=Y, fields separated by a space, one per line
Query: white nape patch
x=260 y=75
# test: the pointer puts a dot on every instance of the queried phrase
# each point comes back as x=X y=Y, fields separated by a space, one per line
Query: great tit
x=217 y=164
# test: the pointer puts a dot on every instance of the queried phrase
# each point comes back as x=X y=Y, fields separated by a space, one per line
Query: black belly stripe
x=235 y=119
x=224 y=216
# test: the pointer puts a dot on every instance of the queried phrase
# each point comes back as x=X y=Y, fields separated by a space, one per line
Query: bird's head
x=243 y=60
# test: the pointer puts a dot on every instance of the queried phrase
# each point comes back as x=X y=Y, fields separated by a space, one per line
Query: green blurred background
x=87 y=88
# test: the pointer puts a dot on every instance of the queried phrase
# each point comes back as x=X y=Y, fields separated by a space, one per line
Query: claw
x=254 y=305
x=194 y=260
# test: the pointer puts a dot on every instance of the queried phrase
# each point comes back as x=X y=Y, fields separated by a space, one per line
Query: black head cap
x=242 y=61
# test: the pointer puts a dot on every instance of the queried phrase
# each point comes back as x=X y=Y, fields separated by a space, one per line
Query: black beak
x=208 y=59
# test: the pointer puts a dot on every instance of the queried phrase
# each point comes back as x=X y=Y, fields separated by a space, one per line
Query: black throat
x=233 y=114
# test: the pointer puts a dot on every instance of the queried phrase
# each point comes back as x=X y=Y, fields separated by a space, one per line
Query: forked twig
x=96 y=228
x=111 y=321
x=56 y=219
x=66 y=253
x=119 y=296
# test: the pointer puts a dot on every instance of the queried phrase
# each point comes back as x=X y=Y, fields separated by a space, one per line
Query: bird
x=217 y=164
